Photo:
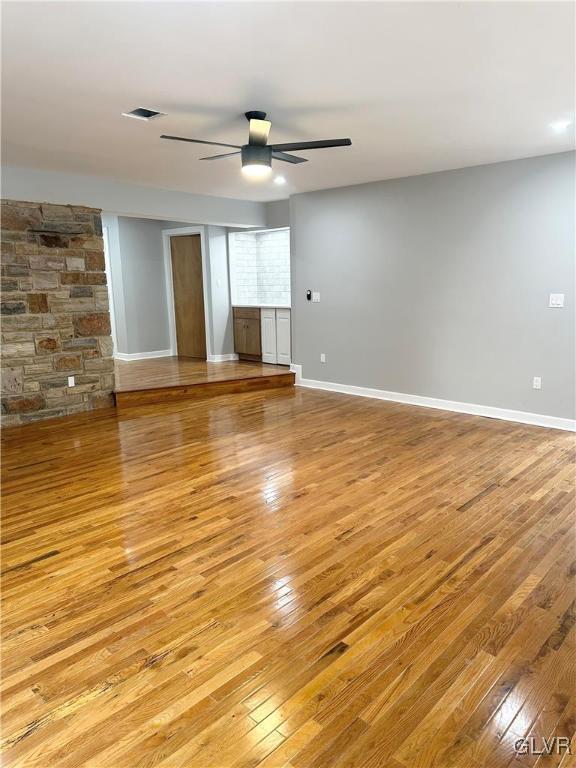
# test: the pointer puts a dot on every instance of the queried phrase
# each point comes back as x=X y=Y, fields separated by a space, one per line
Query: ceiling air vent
x=141 y=113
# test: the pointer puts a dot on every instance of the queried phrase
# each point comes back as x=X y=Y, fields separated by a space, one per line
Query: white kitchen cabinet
x=283 y=344
x=268 y=330
x=276 y=342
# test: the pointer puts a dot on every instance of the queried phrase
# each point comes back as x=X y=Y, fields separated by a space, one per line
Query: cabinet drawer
x=247 y=313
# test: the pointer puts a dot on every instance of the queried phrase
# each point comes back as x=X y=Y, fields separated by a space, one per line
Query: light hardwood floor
x=177 y=371
x=293 y=579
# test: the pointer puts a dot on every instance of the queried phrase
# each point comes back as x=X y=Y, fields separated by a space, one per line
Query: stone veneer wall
x=55 y=318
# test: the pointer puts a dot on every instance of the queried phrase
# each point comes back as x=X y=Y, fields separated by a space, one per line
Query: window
x=260 y=268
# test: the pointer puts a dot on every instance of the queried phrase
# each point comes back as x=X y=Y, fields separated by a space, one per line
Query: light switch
x=322 y=357
x=71 y=381
x=556 y=300
x=316 y=296
x=537 y=382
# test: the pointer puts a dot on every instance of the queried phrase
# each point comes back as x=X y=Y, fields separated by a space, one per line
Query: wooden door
x=187 y=282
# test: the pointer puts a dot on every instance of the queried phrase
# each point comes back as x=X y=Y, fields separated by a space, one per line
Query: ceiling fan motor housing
x=255 y=155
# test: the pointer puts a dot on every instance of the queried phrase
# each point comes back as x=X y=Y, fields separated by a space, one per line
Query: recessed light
x=279 y=180
x=141 y=113
x=561 y=126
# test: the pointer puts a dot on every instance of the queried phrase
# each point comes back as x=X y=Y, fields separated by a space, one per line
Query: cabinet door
x=268 y=322
x=239 y=336
x=283 y=344
x=253 y=342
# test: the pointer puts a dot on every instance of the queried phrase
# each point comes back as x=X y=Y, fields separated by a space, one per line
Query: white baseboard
x=522 y=417
x=143 y=355
x=222 y=358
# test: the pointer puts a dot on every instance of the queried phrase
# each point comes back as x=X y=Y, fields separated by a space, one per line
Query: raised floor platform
x=166 y=379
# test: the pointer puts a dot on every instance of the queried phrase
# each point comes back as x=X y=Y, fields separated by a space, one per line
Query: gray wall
x=129 y=199
x=438 y=285
x=220 y=311
x=278 y=214
x=144 y=284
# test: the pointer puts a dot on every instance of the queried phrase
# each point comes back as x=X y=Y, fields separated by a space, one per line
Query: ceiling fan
x=257 y=155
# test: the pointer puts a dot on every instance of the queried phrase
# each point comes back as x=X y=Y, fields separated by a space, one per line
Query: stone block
x=85 y=388
x=103 y=364
x=46 y=414
x=54 y=382
x=23 y=403
x=45 y=280
x=18 y=349
x=12 y=307
x=83 y=278
x=53 y=240
x=73 y=399
x=107 y=381
x=81 y=343
x=106 y=346
x=37 y=303
x=46 y=345
x=31 y=386
x=97 y=224
x=50 y=211
x=86 y=380
x=16 y=270
x=95 y=261
x=68 y=363
x=9 y=284
x=25 y=283
x=62 y=228
x=45 y=261
x=81 y=291
x=92 y=324
x=55 y=396
x=12 y=381
x=22 y=322
x=87 y=243
x=20 y=218
x=72 y=305
x=60 y=320
x=26 y=249
x=37 y=369
x=10 y=420
x=75 y=263
x=102 y=400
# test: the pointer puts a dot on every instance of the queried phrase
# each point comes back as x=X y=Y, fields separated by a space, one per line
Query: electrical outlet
x=71 y=382
x=537 y=382
x=556 y=300
x=322 y=357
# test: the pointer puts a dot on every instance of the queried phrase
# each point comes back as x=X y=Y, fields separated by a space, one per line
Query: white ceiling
x=418 y=87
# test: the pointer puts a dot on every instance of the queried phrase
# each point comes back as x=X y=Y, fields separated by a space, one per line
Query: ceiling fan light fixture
x=256 y=171
x=256 y=161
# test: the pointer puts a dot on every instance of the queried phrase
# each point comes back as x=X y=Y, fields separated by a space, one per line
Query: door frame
x=166 y=235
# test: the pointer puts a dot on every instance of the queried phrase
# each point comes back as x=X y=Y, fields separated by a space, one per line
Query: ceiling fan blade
x=288 y=146
x=199 y=141
x=259 y=130
x=217 y=157
x=288 y=158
